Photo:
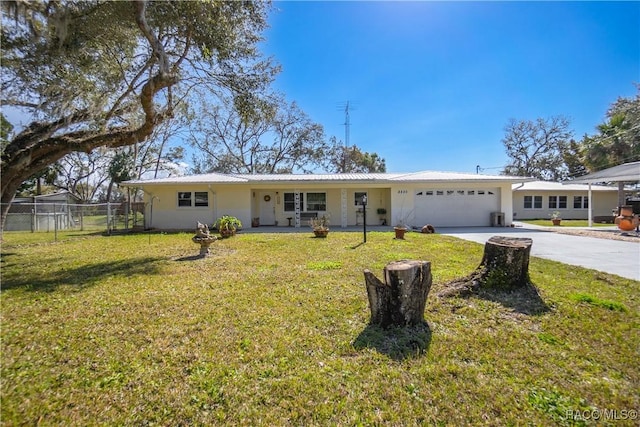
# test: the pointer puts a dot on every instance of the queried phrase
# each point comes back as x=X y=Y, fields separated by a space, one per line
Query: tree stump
x=504 y=266
x=402 y=298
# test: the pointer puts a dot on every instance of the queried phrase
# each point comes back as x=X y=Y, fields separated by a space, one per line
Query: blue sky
x=432 y=84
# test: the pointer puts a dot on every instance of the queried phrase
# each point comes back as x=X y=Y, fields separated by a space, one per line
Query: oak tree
x=535 y=148
x=343 y=159
x=91 y=73
x=275 y=136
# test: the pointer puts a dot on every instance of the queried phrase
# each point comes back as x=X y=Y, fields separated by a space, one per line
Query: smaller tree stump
x=402 y=298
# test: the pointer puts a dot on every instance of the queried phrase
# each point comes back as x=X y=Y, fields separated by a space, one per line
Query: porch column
x=590 y=210
x=621 y=200
x=296 y=202
x=343 y=208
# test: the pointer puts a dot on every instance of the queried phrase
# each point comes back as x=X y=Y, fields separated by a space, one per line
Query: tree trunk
x=506 y=261
x=39 y=145
x=402 y=298
x=109 y=190
x=504 y=266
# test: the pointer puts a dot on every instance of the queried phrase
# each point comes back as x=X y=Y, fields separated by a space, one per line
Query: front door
x=267 y=208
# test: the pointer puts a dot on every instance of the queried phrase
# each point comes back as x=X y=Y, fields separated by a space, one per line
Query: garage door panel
x=456 y=207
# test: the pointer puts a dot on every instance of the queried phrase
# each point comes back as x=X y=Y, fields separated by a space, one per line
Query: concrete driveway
x=611 y=256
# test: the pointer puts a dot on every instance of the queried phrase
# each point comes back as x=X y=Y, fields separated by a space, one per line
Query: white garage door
x=456 y=207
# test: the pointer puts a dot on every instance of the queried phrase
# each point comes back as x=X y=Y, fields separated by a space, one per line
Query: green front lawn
x=272 y=329
x=565 y=223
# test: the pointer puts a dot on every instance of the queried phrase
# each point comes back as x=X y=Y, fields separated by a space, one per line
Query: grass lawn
x=272 y=329
x=565 y=223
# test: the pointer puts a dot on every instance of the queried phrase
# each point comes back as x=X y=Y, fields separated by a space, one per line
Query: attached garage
x=450 y=207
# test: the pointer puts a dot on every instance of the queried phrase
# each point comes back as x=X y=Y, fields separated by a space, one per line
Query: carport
x=625 y=173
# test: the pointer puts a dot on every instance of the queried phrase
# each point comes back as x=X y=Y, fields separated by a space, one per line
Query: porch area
x=293 y=208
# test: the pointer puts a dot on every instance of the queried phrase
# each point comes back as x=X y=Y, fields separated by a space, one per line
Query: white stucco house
x=539 y=199
x=289 y=200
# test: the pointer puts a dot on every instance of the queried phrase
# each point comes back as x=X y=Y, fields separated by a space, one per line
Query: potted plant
x=402 y=226
x=320 y=226
x=556 y=218
x=400 y=229
x=383 y=219
x=227 y=225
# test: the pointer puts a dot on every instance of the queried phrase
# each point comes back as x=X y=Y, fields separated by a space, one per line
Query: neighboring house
x=416 y=199
x=41 y=213
x=539 y=199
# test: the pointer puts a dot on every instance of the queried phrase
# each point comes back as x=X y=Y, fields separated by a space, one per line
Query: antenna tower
x=347 y=124
x=347 y=128
x=346 y=107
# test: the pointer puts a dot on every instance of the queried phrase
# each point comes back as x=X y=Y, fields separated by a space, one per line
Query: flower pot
x=321 y=232
x=224 y=233
x=556 y=221
x=400 y=232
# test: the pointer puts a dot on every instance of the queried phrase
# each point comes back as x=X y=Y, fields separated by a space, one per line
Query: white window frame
x=583 y=202
x=557 y=202
x=292 y=202
x=357 y=197
x=535 y=200
x=184 y=196
x=314 y=202
x=195 y=199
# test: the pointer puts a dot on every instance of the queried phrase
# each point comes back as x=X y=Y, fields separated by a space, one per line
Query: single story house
x=441 y=199
x=539 y=199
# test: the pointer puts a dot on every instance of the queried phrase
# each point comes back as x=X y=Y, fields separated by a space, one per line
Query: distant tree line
x=546 y=149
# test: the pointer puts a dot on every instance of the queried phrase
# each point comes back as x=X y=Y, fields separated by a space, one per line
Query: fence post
x=70 y=223
x=126 y=215
x=55 y=223
x=35 y=216
x=108 y=218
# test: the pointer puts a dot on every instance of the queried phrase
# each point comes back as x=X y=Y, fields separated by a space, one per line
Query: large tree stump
x=504 y=266
x=401 y=299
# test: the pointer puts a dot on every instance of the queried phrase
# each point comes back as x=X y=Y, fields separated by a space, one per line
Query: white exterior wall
x=602 y=203
x=243 y=200
x=404 y=205
x=164 y=213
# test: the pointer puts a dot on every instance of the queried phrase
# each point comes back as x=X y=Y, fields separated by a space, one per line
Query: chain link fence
x=56 y=217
